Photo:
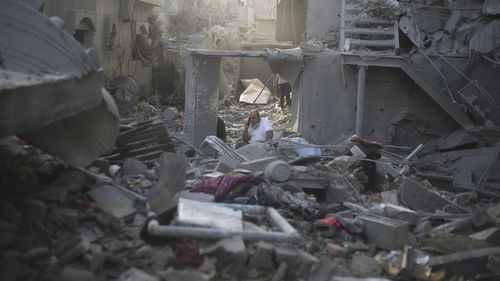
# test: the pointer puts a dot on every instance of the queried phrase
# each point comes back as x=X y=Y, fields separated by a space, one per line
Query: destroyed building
x=384 y=168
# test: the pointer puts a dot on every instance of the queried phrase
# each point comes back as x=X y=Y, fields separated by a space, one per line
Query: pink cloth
x=220 y=186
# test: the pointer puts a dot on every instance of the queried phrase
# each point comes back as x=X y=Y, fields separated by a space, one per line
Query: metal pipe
x=280 y=221
x=289 y=234
x=155 y=229
x=360 y=105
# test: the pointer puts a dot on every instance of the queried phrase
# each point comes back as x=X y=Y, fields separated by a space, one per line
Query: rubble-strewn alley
x=151 y=140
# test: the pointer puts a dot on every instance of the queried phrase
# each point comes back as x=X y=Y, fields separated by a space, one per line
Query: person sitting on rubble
x=372 y=151
x=257 y=129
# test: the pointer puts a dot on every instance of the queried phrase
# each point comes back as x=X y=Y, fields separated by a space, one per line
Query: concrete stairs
x=463 y=99
x=359 y=30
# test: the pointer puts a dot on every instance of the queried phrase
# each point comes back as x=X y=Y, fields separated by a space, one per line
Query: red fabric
x=220 y=186
x=332 y=220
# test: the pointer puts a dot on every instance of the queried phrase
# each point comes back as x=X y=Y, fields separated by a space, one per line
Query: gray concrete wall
x=117 y=61
x=326 y=107
x=323 y=17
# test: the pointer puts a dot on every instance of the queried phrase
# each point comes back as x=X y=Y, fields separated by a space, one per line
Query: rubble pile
x=254 y=213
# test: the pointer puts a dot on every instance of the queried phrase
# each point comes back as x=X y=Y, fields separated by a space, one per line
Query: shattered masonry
x=119 y=122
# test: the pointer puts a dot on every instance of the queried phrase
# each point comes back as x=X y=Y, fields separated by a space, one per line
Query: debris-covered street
x=164 y=140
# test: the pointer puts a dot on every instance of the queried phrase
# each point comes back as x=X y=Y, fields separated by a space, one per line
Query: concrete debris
x=112 y=201
x=170 y=199
x=206 y=214
x=255 y=92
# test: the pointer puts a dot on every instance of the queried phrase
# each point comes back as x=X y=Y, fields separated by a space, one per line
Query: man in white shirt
x=257 y=128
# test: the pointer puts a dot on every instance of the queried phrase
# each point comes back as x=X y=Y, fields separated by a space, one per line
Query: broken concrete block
x=401 y=213
x=110 y=200
x=135 y=274
x=418 y=198
x=133 y=167
x=257 y=164
x=306 y=181
x=390 y=196
x=74 y=274
x=172 y=172
x=278 y=171
x=386 y=233
x=263 y=257
x=490 y=235
x=228 y=250
x=209 y=214
x=186 y=275
x=365 y=266
x=34 y=209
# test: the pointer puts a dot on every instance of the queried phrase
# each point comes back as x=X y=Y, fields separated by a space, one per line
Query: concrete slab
x=112 y=201
x=208 y=214
x=417 y=197
x=385 y=233
x=172 y=172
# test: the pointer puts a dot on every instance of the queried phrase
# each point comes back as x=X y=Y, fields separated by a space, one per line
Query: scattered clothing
x=220 y=186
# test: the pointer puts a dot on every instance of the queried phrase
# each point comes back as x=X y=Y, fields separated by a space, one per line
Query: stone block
x=385 y=233
x=390 y=196
x=75 y=251
x=228 y=250
x=490 y=235
x=34 y=209
x=418 y=198
x=263 y=257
